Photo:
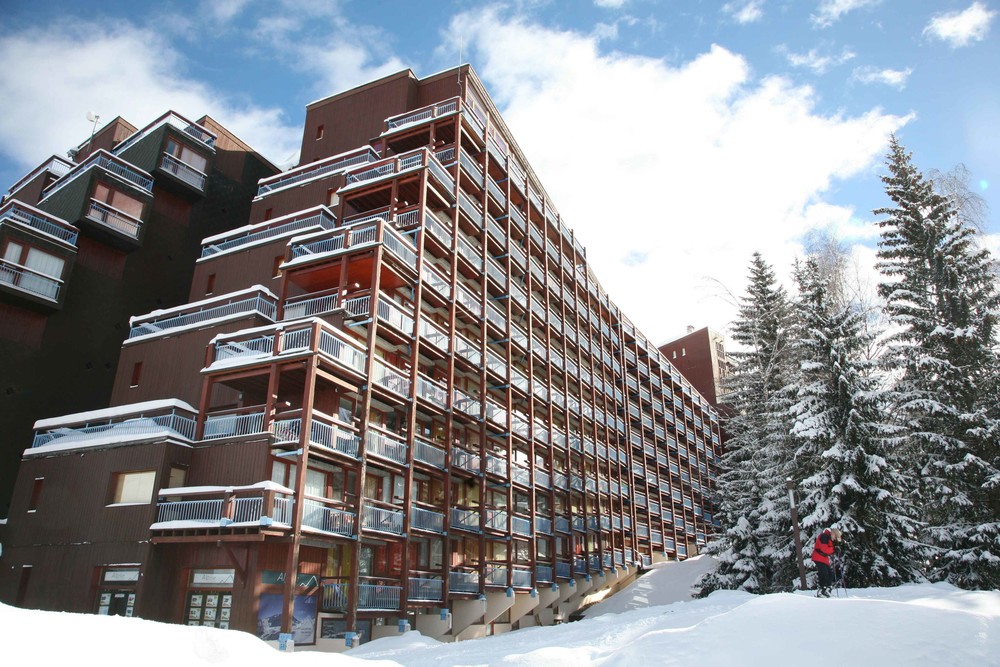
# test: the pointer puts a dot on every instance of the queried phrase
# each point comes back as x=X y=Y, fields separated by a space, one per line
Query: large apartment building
x=397 y=396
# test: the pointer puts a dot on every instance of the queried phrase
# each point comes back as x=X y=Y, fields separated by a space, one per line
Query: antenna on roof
x=92 y=118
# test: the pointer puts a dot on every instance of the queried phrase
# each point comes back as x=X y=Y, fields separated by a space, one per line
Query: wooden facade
x=415 y=405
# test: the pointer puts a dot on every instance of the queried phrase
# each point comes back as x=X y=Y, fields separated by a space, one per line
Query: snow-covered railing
x=317 y=217
x=20 y=213
x=262 y=303
x=126 y=423
x=108 y=162
x=325 y=167
x=175 y=120
x=423 y=114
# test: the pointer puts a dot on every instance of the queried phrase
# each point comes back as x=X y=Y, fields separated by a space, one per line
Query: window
x=210 y=285
x=136 y=374
x=319 y=132
x=44 y=271
x=268 y=213
x=186 y=155
x=36 y=493
x=118 y=200
x=134 y=487
x=178 y=477
x=276 y=268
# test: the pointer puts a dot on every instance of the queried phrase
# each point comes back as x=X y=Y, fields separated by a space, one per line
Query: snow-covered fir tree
x=842 y=461
x=941 y=298
x=754 y=515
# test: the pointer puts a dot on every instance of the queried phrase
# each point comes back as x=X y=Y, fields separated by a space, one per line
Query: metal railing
x=425 y=589
x=267 y=230
x=543 y=525
x=328 y=519
x=431 y=391
x=422 y=519
x=190 y=510
x=390 y=378
x=260 y=304
x=425 y=113
x=382 y=520
x=232 y=425
x=29 y=280
x=543 y=573
x=428 y=453
x=109 y=163
x=520 y=578
x=378 y=597
x=496 y=519
x=21 y=213
x=387 y=446
x=520 y=526
x=113 y=218
x=465 y=519
x=309 y=306
x=126 y=426
x=463 y=582
x=496 y=575
x=183 y=171
x=332 y=165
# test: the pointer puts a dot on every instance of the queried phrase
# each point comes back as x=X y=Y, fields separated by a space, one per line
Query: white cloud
x=745 y=11
x=961 y=28
x=831 y=11
x=314 y=36
x=671 y=175
x=610 y=4
x=891 y=77
x=58 y=73
x=816 y=61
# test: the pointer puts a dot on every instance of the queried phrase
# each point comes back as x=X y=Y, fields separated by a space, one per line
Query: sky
x=929 y=625
x=675 y=138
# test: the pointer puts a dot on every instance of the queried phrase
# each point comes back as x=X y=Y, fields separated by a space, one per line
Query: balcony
x=386 y=445
x=30 y=282
x=520 y=526
x=318 y=169
x=390 y=378
x=496 y=519
x=324 y=518
x=332 y=437
x=311 y=336
x=34 y=220
x=113 y=219
x=422 y=115
x=262 y=504
x=496 y=575
x=108 y=163
x=381 y=519
x=432 y=392
x=463 y=581
x=257 y=301
x=387 y=312
x=466 y=460
x=467 y=520
x=425 y=590
x=422 y=519
x=543 y=525
x=312 y=247
x=319 y=218
x=425 y=452
x=183 y=171
x=141 y=422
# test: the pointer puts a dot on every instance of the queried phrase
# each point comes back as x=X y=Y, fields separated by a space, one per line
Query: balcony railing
x=309 y=306
x=520 y=526
x=543 y=573
x=378 y=597
x=496 y=575
x=423 y=114
x=390 y=378
x=184 y=316
x=543 y=525
x=388 y=446
x=183 y=171
x=382 y=520
x=428 y=453
x=496 y=519
x=467 y=461
x=422 y=519
x=387 y=311
x=109 y=163
x=135 y=426
x=333 y=437
x=269 y=229
x=465 y=519
x=331 y=165
x=29 y=280
x=113 y=218
x=463 y=582
x=233 y=425
x=222 y=512
x=328 y=519
x=17 y=212
x=432 y=392
x=425 y=590
x=433 y=334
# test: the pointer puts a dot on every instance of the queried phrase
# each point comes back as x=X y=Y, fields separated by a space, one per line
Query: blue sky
x=675 y=138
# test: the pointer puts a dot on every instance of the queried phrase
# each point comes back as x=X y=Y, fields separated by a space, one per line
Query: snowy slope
x=925 y=625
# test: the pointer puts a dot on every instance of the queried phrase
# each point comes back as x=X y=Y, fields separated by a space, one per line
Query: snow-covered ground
x=916 y=625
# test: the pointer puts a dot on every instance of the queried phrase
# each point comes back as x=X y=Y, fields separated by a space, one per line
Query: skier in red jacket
x=822 y=551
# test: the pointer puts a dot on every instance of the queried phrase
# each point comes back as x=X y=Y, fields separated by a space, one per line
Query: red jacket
x=823 y=548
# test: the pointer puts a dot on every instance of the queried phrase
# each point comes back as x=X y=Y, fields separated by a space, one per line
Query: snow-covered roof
x=128 y=432
x=199 y=490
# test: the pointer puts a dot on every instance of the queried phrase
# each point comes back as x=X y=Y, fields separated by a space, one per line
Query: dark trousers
x=825 y=575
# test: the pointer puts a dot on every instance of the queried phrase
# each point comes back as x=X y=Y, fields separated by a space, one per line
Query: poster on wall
x=303 y=618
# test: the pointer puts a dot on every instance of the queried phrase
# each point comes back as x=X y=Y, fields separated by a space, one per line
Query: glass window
x=186 y=155
x=134 y=487
x=315 y=483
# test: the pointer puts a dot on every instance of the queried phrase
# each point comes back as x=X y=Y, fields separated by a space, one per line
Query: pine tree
x=749 y=507
x=847 y=474
x=941 y=298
